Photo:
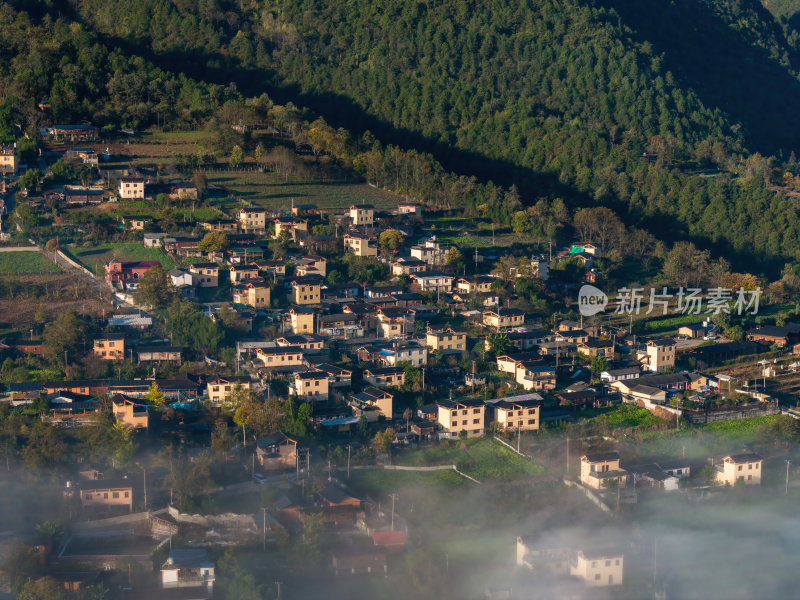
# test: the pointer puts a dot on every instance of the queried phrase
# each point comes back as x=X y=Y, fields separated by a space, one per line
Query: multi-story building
x=219 y=388
x=8 y=159
x=395 y=321
x=385 y=376
x=312 y=265
x=296 y=228
x=599 y=469
x=407 y=266
x=362 y=214
x=742 y=468
x=126 y=272
x=503 y=318
x=301 y=320
x=110 y=346
x=310 y=386
x=207 y=273
x=130 y=412
x=280 y=356
x=106 y=494
x=518 y=413
x=446 y=340
x=360 y=245
x=455 y=416
x=239 y=273
x=598 y=567
x=431 y=281
x=131 y=188
x=252 y=220
x=252 y=293
x=373 y=404
x=658 y=356
x=306 y=290
x=479 y=283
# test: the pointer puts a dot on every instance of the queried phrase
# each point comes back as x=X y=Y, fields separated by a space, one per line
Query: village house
x=658 y=356
x=106 y=494
x=310 y=386
x=170 y=354
x=242 y=272
x=341 y=325
x=337 y=376
x=431 y=281
x=181 y=190
x=503 y=318
x=306 y=290
x=478 y=283
x=455 y=416
x=276 y=452
x=188 y=568
x=598 y=567
x=621 y=374
x=311 y=265
x=252 y=220
x=219 y=388
x=517 y=413
x=221 y=225
x=692 y=330
x=446 y=340
x=595 y=348
x=279 y=357
x=183 y=280
x=529 y=340
x=78 y=195
x=395 y=322
x=207 y=274
x=597 y=468
x=276 y=268
x=535 y=375
x=409 y=351
x=301 y=320
x=633 y=392
x=8 y=159
x=252 y=293
x=309 y=342
x=130 y=412
x=131 y=188
x=72 y=133
x=373 y=404
x=137 y=222
x=430 y=251
x=407 y=208
x=385 y=376
x=110 y=346
x=360 y=245
x=744 y=468
x=407 y=266
x=296 y=228
x=118 y=272
x=361 y=214
x=781 y=335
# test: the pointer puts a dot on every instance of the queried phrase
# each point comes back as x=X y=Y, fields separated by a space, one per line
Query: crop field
x=484 y=459
x=26 y=263
x=269 y=190
x=95 y=257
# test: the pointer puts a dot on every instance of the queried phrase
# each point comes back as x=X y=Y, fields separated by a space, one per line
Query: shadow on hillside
x=722 y=66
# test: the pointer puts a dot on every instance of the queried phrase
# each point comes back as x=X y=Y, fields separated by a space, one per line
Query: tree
x=521 y=222
x=51 y=245
x=453 y=258
x=190 y=327
x=390 y=240
x=237 y=156
x=154 y=397
x=45 y=588
x=362 y=427
x=67 y=333
x=44 y=447
x=214 y=241
x=382 y=442
x=31 y=180
x=599 y=364
x=155 y=289
x=499 y=343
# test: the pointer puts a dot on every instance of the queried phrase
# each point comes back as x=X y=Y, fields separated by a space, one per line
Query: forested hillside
x=674 y=115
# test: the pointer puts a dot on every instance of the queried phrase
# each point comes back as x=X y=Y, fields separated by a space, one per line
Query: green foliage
x=155 y=397
x=31 y=180
x=67 y=172
x=155 y=289
x=499 y=343
x=45 y=588
x=214 y=241
x=67 y=333
x=26 y=263
x=190 y=327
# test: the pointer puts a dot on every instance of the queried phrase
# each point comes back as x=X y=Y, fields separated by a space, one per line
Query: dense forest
x=677 y=116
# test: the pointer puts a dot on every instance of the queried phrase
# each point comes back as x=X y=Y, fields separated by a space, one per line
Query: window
x=454 y=413
x=475 y=421
x=464 y=422
x=454 y=424
x=475 y=411
x=750 y=466
x=115 y=495
x=608 y=563
x=749 y=477
x=88 y=496
x=594 y=564
x=531 y=421
x=740 y=467
x=616 y=562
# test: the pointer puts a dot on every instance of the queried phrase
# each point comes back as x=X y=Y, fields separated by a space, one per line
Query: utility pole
x=568 y=454
x=788 y=462
x=65 y=359
x=519 y=433
x=144 y=471
x=393 y=497
x=278 y=584
x=349 y=448
x=265 y=529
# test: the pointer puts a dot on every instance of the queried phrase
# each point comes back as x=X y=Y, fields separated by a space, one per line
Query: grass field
x=269 y=190
x=483 y=458
x=95 y=257
x=26 y=263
